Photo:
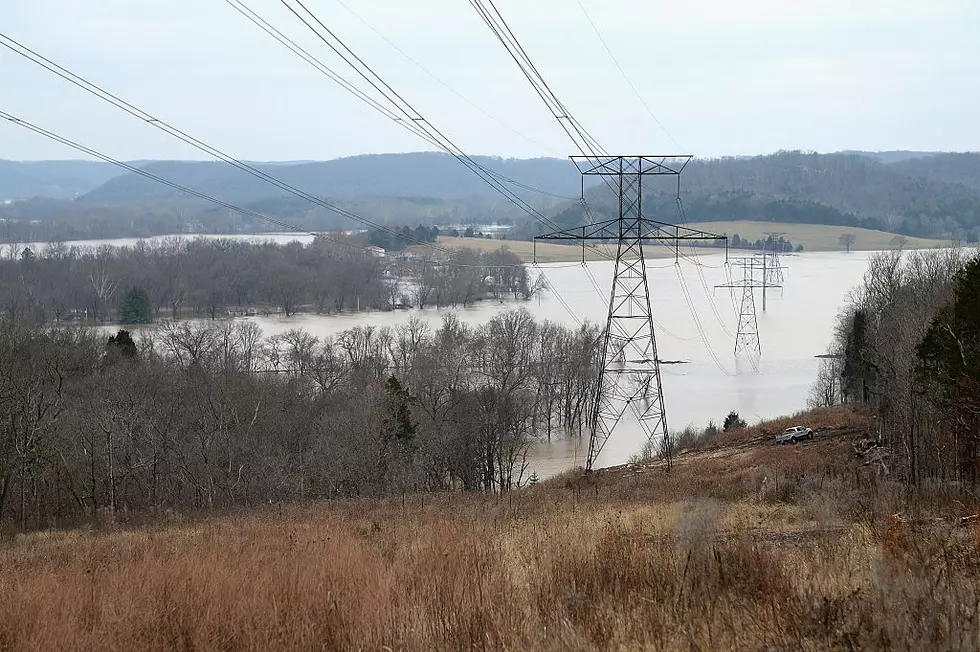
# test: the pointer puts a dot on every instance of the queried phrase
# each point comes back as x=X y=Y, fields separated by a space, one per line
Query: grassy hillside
x=819 y=237
x=547 y=252
x=813 y=237
x=744 y=545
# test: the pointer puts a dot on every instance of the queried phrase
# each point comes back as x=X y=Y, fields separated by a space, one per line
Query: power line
x=441 y=81
x=629 y=323
x=695 y=260
x=583 y=140
x=339 y=47
x=636 y=92
x=321 y=67
x=410 y=113
x=99 y=92
x=201 y=195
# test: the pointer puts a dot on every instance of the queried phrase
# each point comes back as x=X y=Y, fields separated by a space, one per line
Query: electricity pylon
x=747 y=338
x=629 y=348
x=774 y=270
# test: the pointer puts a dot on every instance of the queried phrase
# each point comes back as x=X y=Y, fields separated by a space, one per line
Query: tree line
x=907 y=346
x=401 y=239
x=177 y=278
x=209 y=415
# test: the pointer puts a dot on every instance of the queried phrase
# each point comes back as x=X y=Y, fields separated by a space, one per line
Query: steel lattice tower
x=747 y=338
x=774 y=269
x=629 y=361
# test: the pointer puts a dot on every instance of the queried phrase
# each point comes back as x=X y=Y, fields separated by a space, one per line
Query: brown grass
x=819 y=237
x=748 y=548
x=546 y=252
x=813 y=237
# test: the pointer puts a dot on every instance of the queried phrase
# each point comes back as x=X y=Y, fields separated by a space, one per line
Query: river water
x=796 y=326
x=13 y=249
x=695 y=323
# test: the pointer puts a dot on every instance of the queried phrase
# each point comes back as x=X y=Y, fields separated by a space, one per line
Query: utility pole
x=747 y=338
x=629 y=342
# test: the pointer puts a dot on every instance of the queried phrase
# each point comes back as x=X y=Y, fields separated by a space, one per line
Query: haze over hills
x=424 y=174
x=914 y=193
x=52 y=179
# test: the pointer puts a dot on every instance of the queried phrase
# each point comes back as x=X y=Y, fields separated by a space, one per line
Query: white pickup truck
x=794 y=434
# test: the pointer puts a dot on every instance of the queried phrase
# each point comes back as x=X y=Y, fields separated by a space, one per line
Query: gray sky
x=723 y=77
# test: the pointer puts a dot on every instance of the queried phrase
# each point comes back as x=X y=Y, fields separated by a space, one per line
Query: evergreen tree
x=855 y=375
x=400 y=418
x=949 y=368
x=733 y=421
x=123 y=343
x=136 y=308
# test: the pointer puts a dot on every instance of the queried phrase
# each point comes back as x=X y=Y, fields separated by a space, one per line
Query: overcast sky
x=723 y=77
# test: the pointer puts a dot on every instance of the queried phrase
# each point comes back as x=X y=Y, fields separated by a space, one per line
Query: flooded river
x=796 y=326
x=695 y=323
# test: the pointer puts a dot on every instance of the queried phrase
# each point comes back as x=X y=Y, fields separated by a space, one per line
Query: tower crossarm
x=614 y=166
x=650 y=230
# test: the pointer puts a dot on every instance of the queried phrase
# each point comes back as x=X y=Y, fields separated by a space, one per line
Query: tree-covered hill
x=912 y=193
x=424 y=174
x=52 y=179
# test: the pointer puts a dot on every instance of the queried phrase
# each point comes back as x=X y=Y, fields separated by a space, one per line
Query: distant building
x=377 y=251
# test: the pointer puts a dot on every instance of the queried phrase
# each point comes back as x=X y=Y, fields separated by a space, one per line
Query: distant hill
x=953 y=168
x=52 y=179
x=923 y=194
x=371 y=176
x=934 y=197
x=893 y=156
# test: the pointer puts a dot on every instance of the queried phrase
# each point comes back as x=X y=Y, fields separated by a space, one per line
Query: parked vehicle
x=794 y=434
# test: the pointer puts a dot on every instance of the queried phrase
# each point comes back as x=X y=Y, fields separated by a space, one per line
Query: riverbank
x=744 y=545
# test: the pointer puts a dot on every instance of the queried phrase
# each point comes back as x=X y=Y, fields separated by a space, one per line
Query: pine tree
x=123 y=343
x=136 y=308
x=733 y=421
x=401 y=414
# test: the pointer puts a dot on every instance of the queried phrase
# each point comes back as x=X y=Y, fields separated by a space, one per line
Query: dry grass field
x=742 y=546
x=813 y=237
x=547 y=252
x=820 y=237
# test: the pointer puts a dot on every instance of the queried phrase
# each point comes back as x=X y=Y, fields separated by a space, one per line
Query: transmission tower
x=629 y=364
x=754 y=271
x=774 y=269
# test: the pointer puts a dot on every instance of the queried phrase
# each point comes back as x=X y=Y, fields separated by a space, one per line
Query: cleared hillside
x=743 y=546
